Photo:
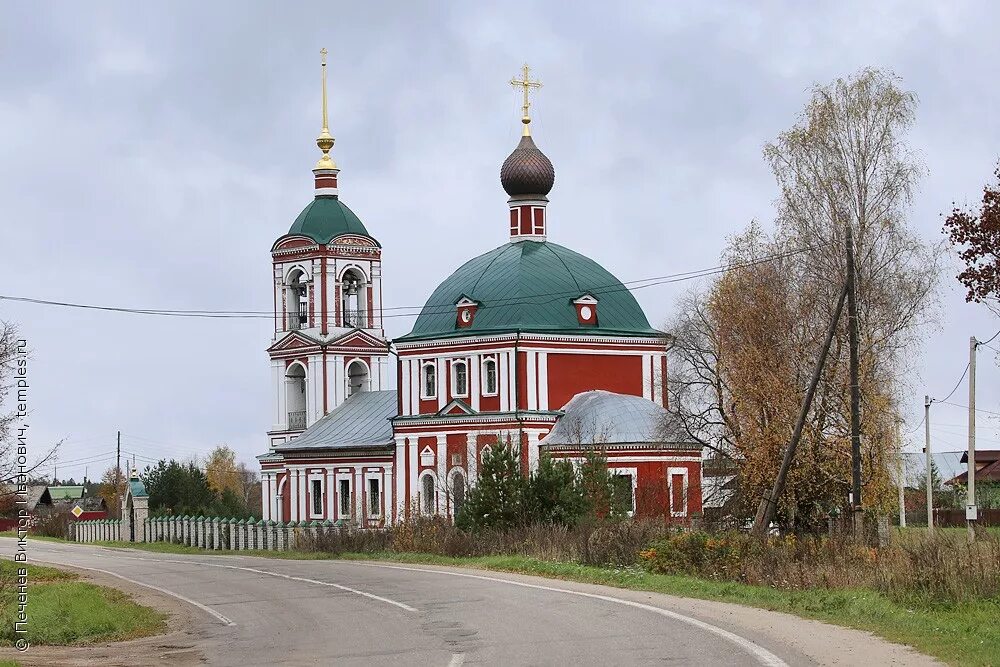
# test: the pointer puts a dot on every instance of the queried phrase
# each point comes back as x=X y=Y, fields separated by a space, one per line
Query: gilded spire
x=526 y=84
x=325 y=140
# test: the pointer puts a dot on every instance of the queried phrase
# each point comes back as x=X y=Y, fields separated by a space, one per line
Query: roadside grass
x=958 y=633
x=62 y=610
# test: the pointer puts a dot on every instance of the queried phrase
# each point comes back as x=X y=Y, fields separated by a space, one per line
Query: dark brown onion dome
x=527 y=171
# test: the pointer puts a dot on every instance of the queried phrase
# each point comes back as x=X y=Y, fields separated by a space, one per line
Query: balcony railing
x=296 y=420
x=297 y=321
x=355 y=318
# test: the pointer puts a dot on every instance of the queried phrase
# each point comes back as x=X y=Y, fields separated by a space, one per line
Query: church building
x=530 y=342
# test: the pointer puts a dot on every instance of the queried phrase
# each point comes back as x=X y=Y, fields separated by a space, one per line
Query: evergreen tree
x=602 y=496
x=554 y=493
x=498 y=498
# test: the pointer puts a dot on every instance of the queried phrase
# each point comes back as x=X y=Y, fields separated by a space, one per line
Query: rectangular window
x=678 y=501
x=624 y=496
x=374 y=498
x=317 y=497
x=345 y=498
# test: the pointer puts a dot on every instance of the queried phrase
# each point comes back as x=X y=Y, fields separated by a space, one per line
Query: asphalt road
x=253 y=611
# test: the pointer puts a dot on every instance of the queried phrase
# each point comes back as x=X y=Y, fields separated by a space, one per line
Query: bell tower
x=328 y=342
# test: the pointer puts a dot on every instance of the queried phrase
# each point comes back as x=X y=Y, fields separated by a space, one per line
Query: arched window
x=457 y=491
x=297 y=300
x=459 y=378
x=428 y=380
x=357 y=378
x=490 y=377
x=353 y=304
x=427 y=495
x=295 y=396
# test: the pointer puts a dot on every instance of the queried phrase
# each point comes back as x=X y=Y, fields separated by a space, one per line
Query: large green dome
x=529 y=286
x=326 y=218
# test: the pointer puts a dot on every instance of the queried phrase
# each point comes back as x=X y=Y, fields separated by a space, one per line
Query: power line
x=957 y=384
x=429 y=308
x=959 y=405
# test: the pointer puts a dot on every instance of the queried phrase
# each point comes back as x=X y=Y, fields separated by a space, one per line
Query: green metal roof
x=529 y=286
x=326 y=218
x=138 y=488
x=65 y=492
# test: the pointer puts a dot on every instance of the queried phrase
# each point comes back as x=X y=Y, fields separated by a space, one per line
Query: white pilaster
x=358 y=493
x=442 y=382
x=339 y=387
x=504 y=386
x=330 y=493
x=414 y=482
x=293 y=495
x=387 y=494
x=475 y=386
x=543 y=380
x=532 y=449
x=531 y=379
x=647 y=376
x=414 y=374
x=472 y=463
x=404 y=386
x=442 y=473
x=399 y=464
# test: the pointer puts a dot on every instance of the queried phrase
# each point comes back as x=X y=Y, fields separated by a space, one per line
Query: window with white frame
x=459 y=378
x=677 y=483
x=428 y=380
x=623 y=490
x=316 y=495
x=344 y=498
x=427 y=495
x=374 y=497
x=490 y=377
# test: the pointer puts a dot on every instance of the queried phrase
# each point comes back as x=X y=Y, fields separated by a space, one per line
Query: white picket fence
x=213 y=533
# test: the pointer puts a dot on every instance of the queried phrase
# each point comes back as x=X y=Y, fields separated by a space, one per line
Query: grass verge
x=965 y=633
x=64 y=611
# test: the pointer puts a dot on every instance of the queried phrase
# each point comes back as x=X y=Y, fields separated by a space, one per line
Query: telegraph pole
x=852 y=333
x=118 y=464
x=971 y=510
x=927 y=455
x=902 y=477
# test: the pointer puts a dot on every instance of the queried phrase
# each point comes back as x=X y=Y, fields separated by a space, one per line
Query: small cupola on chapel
x=527 y=175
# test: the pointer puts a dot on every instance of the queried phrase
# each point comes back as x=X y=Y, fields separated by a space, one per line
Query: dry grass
x=942 y=566
x=595 y=543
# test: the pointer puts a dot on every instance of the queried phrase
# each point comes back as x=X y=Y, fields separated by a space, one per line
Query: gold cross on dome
x=526 y=84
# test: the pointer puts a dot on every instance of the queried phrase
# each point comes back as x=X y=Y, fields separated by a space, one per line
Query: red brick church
x=530 y=342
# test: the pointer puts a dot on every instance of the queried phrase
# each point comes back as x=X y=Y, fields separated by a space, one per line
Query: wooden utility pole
x=765 y=511
x=971 y=509
x=927 y=457
x=852 y=336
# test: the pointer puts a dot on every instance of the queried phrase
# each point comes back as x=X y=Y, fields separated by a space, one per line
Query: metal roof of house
x=360 y=421
x=66 y=492
x=37 y=495
x=606 y=418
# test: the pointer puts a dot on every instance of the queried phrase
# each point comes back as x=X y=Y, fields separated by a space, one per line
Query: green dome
x=326 y=218
x=530 y=286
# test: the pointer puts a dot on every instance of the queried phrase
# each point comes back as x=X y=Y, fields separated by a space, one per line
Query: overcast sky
x=152 y=153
